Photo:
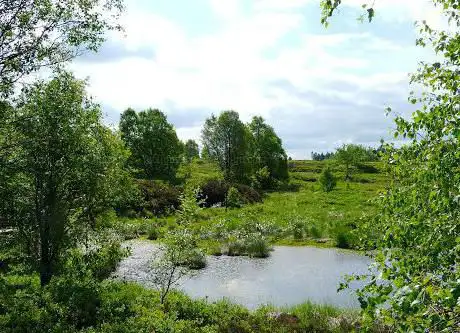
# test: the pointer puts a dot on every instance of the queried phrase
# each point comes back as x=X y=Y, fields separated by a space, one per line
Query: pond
x=290 y=276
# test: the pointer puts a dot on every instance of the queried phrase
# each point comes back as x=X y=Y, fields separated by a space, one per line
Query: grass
x=305 y=214
x=299 y=213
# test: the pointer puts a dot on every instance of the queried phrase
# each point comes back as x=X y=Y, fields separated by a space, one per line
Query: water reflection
x=290 y=276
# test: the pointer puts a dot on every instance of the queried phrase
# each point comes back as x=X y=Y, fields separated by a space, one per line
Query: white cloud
x=226 y=9
x=279 y=4
x=229 y=69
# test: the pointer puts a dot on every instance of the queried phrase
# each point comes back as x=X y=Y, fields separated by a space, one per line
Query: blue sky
x=317 y=87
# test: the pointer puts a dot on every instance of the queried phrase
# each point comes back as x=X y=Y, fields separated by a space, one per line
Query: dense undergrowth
x=81 y=304
x=298 y=212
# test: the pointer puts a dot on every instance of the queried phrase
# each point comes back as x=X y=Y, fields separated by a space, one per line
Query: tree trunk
x=46 y=271
x=47 y=238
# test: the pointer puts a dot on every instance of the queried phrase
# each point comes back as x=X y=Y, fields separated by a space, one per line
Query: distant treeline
x=246 y=153
x=368 y=153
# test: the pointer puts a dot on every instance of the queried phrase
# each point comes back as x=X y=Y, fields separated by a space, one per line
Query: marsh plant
x=257 y=246
x=177 y=257
x=297 y=227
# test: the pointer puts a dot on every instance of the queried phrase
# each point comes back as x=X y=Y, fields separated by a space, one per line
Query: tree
x=191 y=150
x=416 y=286
x=350 y=156
x=225 y=139
x=327 y=180
x=156 y=150
x=61 y=167
x=190 y=207
x=321 y=156
x=177 y=257
x=267 y=149
x=45 y=33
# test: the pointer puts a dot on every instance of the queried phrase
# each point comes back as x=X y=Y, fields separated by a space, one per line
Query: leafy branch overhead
x=46 y=33
x=417 y=288
x=329 y=7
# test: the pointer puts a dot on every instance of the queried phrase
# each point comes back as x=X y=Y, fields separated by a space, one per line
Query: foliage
x=225 y=139
x=62 y=168
x=257 y=246
x=158 y=197
x=214 y=192
x=85 y=306
x=327 y=180
x=350 y=156
x=267 y=152
x=248 y=194
x=37 y=34
x=342 y=239
x=321 y=156
x=417 y=286
x=262 y=179
x=153 y=232
x=177 y=256
x=156 y=150
x=70 y=302
x=320 y=215
x=234 y=198
x=251 y=152
x=297 y=227
x=190 y=206
x=191 y=150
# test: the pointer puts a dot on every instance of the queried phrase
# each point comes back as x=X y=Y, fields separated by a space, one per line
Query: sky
x=318 y=87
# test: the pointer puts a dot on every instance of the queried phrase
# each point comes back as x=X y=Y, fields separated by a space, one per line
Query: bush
x=190 y=206
x=262 y=179
x=297 y=228
x=234 y=198
x=315 y=232
x=130 y=228
x=153 y=232
x=74 y=302
x=249 y=194
x=158 y=197
x=103 y=260
x=257 y=247
x=214 y=192
x=235 y=248
x=342 y=240
x=327 y=180
x=196 y=259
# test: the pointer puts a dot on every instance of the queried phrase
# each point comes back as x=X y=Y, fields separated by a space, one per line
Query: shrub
x=215 y=250
x=249 y=194
x=342 y=239
x=78 y=297
x=130 y=228
x=262 y=179
x=327 y=180
x=158 y=197
x=235 y=248
x=315 y=232
x=257 y=247
x=214 y=192
x=153 y=232
x=190 y=206
x=196 y=259
x=103 y=261
x=234 y=198
x=297 y=228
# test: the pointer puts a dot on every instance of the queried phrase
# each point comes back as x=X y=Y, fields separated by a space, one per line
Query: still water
x=291 y=275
